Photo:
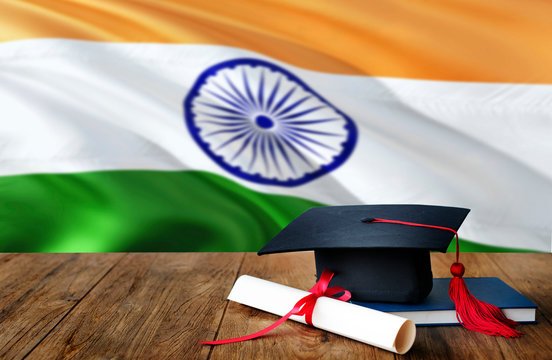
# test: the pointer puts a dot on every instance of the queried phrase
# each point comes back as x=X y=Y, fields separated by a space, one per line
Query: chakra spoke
x=260 y=93
x=222 y=108
x=226 y=131
x=245 y=104
x=248 y=89
x=295 y=150
x=313 y=141
x=236 y=90
x=225 y=117
x=283 y=151
x=263 y=152
x=302 y=113
x=225 y=124
x=229 y=102
x=260 y=122
x=283 y=100
x=309 y=122
x=293 y=106
x=254 y=150
x=273 y=94
x=244 y=145
x=309 y=131
x=273 y=154
x=303 y=145
x=231 y=140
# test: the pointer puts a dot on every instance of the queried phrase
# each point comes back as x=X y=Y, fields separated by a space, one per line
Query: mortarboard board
x=374 y=261
x=375 y=257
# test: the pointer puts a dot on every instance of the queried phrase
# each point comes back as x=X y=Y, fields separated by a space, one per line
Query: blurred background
x=210 y=125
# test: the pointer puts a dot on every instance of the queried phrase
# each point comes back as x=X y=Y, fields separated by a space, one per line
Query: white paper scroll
x=386 y=331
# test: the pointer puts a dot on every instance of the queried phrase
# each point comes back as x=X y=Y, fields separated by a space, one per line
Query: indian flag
x=210 y=125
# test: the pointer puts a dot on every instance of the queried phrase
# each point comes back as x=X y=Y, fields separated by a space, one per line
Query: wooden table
x=156 y=306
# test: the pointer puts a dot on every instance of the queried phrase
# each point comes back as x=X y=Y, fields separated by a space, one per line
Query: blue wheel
x=262 y=123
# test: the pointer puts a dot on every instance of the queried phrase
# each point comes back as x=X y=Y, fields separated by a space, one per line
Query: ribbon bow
x=303 y=307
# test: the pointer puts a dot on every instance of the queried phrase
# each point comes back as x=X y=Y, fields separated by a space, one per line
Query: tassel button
x=457 y=269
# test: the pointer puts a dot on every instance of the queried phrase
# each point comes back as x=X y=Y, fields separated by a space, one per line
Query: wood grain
x=530 y=274
x=150 y=306
x=157 y=306
x=294 y=340
x=291 y=340
x=38 y=290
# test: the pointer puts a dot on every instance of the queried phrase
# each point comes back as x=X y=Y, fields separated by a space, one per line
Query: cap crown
x=341 y=227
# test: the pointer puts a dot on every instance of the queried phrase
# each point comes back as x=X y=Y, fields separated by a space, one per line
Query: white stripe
x=72 y=106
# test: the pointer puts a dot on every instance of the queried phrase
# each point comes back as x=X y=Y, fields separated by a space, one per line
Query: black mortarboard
x=374 y=261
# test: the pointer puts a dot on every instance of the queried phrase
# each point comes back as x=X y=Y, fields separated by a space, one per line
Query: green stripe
x=143 y=210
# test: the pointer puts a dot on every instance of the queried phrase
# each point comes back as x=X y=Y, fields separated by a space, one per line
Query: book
x=438 y=309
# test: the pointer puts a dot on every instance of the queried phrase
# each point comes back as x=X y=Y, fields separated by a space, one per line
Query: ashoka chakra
x=262 y=123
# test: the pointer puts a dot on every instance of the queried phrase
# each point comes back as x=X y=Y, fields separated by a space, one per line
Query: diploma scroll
x=386 y=331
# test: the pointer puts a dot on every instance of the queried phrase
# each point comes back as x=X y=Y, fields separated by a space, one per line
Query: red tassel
x=471 y=313
x=477 y=315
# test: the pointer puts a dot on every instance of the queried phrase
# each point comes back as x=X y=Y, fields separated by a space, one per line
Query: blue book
x=438 y=309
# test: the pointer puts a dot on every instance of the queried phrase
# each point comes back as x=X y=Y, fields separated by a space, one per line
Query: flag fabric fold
x=94 y=130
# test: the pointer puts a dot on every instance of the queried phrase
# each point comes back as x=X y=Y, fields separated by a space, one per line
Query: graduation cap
x=374 y=261
x=381 y=253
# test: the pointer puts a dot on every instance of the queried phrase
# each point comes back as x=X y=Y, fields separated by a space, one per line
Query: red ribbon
x=305 y=306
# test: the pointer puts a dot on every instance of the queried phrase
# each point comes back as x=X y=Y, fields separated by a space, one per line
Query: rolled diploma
x=386 y=331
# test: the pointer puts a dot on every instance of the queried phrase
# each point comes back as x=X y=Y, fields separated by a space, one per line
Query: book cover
x=438 y=309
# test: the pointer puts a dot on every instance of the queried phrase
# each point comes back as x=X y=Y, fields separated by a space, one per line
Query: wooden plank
x=37 y=290
x=291 y=340
x=158 y=305
x=150 y=306
x=522 y=272
x=530 y=274
x=452 y=342
x=294 y=340
x=2 y=255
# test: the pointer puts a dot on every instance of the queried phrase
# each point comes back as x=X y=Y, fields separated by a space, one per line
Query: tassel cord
x=471 y=313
